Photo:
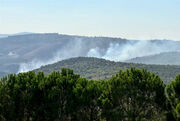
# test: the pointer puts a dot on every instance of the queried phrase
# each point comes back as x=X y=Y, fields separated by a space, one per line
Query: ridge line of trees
x=130 y=95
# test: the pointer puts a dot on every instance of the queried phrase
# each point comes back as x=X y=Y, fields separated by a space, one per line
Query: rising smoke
x=117 y=52
x=72 y=49
x=114 y=51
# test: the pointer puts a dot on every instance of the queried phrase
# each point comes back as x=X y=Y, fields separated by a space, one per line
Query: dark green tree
x=135 y=95
x=58 y=95
x=131 y=95
x=173 y=96
x=87 y=94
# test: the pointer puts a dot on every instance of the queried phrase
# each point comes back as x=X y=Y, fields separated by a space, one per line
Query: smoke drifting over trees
x=112 y=50
x=22 y=53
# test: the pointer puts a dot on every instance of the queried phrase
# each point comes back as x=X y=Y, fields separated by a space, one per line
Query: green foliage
x=135 y=95
x=173 y=96
x=28 y=96
x=131 y=95
x=98 y=69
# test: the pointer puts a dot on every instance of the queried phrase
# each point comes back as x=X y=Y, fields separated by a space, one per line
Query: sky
x=131 y=19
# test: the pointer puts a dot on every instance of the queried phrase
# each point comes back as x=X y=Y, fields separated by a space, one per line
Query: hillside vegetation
x=95 y=68
x=27 y=49
x=18 y=49
x=166 y=58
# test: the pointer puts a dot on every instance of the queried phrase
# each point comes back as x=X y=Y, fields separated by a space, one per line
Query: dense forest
x=130 y=95
x=97 y=68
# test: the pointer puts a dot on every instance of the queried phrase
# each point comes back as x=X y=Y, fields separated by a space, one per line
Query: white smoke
x=72 y=49
x=34 y=64
x=115 y=52
x=94 y=52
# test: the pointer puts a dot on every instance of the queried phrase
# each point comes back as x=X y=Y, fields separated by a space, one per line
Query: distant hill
x=4 y=35
x=94 y=68
x=21 y=33
x=26 y=47
x=27 y=51
x=166 y=58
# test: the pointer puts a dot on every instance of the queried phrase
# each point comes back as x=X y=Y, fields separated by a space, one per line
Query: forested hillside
x=94 y=68
x=166 y=58
x=131 y=95
x=45 y=48
x=22 y=53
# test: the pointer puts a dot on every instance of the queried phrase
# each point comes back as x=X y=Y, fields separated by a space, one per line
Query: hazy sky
x=132 y=19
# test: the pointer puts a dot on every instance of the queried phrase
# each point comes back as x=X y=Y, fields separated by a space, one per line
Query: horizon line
x=68 y=34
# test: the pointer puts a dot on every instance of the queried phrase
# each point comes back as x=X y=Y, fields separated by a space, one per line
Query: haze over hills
x=21 y=33
x=95 y=68
x=28 y=51
x=43 y=49
x=166 y=58
x=3 y=35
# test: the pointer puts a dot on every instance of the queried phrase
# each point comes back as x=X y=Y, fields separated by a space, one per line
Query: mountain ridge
x=96 y=68
x=166 y=58
x=46 y=48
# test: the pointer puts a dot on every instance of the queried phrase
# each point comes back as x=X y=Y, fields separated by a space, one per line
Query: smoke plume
x=114 y=51
x=117 y=52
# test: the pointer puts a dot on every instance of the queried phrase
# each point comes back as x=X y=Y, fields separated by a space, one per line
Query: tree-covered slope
x=95 y=68
x=171 y=58
x=19 y=49
x=22 y=52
